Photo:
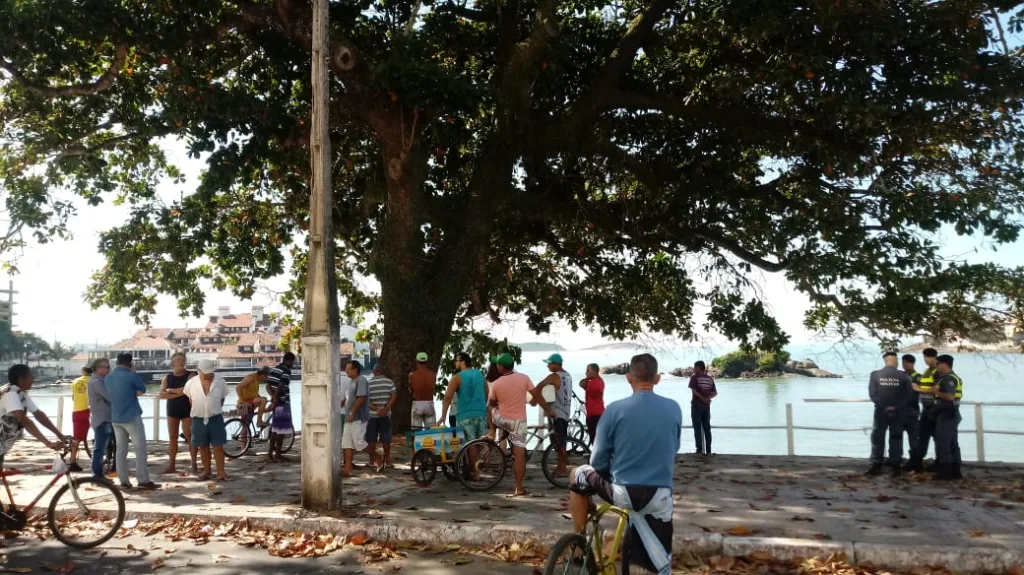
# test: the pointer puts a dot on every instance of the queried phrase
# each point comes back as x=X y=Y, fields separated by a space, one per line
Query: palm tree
x=59 y=352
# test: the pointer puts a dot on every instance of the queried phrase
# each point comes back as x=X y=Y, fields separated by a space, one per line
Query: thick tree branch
x=593 y=101
x=467 y=13
x=733 y=247
x=75 y=151
x=103 y=83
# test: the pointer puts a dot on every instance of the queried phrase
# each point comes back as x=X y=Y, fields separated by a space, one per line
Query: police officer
x=949 y=389
x=926 y=426
x=892 y=393
x=911 y=422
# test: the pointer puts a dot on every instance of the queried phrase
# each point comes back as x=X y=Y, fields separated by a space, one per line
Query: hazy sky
x=53 y=278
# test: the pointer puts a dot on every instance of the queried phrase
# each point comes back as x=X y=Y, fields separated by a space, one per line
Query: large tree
x=624 y=164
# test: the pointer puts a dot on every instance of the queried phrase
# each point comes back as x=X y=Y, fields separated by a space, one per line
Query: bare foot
x=195 y=468
x=223 y=478
x=170 y=469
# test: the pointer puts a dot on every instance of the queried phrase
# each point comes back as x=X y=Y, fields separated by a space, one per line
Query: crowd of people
x=924 y=406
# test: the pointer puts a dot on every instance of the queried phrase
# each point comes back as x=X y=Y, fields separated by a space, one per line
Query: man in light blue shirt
x=632 y=466
x=124 y=387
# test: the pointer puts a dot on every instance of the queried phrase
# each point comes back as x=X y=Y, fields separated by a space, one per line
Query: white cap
x=207 y=366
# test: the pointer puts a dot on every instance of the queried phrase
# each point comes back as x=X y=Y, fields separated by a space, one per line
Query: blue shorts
x=207 y=434
x=378 y=430
x=475 y=427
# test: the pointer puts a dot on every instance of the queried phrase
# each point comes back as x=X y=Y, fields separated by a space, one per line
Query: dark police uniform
x=926 y=426
x=892 y=393
x=947 y=425
x=912 y=420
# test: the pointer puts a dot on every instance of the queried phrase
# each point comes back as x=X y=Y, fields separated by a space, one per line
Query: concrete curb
x=885 y=555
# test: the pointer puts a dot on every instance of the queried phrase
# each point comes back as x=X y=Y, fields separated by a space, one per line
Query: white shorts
x=423 y=414
x=354 y=435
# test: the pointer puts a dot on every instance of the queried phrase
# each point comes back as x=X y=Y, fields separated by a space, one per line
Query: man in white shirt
x=207 y=392
x=15 y=405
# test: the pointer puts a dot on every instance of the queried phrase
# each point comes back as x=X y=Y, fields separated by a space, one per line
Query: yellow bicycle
x=579 y=554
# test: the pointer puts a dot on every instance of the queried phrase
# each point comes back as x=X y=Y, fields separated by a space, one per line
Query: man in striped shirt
x=381 y=396
x=280 y=405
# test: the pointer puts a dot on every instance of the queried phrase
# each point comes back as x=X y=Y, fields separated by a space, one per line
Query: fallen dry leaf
x=220 y=558
x=883 y=498
x=977 y=533
x=760 y=556
x=801 y=518
x=157 y=564
x=359 y=538
x=723 y=562
x=238 y=499
x=843 y=510
x=740 y=531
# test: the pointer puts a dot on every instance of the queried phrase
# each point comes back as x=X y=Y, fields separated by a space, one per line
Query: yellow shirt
x=80 y=393
x=249 y=389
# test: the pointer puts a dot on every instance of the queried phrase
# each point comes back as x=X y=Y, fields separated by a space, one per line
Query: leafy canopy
x=621 y=164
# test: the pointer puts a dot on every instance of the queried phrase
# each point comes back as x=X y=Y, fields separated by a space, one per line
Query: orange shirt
x=510 y=391
x=422 y=382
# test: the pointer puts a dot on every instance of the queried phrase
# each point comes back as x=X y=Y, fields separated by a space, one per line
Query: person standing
x=79 y=415
x=507 y=399
x=926 y=425
x=353 y=435
x=99 y=417
x=381 y=395
x=278 y=383
x=423 y=381
x=178 y=409
x=124 y=387
x=561 y=381
x=702 y=387
x=892 y=393
x=468 y=387
x=949 y=390
x=207 y=392
x=912 y=419
x=632 y=466
x=593 y=388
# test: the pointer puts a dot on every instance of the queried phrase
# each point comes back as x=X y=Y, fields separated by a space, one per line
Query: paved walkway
x=727 y=504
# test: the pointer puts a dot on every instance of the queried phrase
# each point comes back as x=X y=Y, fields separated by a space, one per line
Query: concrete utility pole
x=321 y=437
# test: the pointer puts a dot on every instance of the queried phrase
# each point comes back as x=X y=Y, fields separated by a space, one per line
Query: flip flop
x=525 y=493
x=204 y=477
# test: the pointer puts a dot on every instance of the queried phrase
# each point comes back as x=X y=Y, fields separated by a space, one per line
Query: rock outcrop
x=620 y=369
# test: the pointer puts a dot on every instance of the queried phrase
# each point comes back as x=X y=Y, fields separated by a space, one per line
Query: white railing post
x=979 y=432
x=156 y=418
x=60 y=413
x=789 y=429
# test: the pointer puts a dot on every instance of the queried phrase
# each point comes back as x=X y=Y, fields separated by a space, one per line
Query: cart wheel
x=449 y=471
x=424 y=467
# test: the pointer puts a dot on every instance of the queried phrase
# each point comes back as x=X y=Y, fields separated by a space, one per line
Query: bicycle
x=578 y=421
x=243 y=433
x=576 y=553
x=481 y=464
x=61 y=516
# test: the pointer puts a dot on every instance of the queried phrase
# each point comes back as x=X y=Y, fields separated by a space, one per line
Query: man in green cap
x=561 y=382
x=422 y=382
x=507 y=400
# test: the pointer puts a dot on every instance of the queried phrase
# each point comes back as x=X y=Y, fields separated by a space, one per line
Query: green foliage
x=60 y=352
x=625 y=165
x=480 y=347
x=772 y=361
x=734 y=363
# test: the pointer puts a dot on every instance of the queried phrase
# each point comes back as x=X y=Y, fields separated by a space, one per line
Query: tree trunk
x=404 y=337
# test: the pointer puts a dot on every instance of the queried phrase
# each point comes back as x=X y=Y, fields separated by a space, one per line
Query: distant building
x=234 y=340
x=7 y=303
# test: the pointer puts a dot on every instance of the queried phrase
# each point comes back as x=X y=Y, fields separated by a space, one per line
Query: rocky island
x=744 y=365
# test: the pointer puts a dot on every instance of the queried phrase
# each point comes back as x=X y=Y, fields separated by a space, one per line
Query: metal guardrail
x=979 y=430
x=791 y=428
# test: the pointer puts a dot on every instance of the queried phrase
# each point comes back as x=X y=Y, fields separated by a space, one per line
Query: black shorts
x=595 y=483
x=560 y=430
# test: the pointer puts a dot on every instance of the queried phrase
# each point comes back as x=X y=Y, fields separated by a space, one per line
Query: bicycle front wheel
x=576 y=454
x=239 y=438
x=481 y=464
x=80 y=513
x=571 y=556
